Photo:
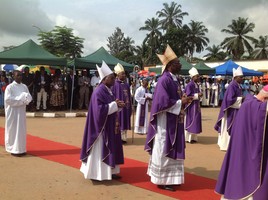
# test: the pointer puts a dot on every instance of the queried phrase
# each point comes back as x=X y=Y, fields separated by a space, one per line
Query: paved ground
x=35 y=178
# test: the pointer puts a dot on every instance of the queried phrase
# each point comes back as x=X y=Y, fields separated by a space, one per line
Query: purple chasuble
x=121 y=91
x=244 y=171
x=167 y=93
x=193 y=122
x=230 y=96
x=100 y=124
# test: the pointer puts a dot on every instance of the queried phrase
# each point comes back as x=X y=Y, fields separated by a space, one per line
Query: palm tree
x=153 y=38
x=128 y=44
x=196 y=37
x=261 y=48
x=215 y=53
x=172 y=15
x=237 y=44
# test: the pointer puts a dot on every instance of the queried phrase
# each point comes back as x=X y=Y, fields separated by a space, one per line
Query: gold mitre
x=118 y=68
x=167 y=56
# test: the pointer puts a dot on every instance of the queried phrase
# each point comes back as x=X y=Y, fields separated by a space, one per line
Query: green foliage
x=237 y=44
x=61 y=42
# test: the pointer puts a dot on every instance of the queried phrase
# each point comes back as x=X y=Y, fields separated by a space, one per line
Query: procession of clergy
x=175 y=118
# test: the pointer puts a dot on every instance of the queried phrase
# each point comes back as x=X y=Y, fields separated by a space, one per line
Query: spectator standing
x=84 y=84
x=42 y=85
x=28 y=80
x=57 y=95
x=95 y=80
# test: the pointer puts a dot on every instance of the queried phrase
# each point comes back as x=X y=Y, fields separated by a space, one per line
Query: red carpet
x=133 y=172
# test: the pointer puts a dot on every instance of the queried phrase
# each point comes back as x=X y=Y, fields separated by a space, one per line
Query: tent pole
x=72 y=93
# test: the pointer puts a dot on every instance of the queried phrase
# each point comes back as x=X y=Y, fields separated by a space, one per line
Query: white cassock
x=17 y=96
x=95 y=168
x=161 y=169
x=140 y=96
x=205 y=99
x=215 y=94
x=224 y=137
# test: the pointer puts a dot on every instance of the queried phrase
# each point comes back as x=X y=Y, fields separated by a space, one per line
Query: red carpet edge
x=195 y=187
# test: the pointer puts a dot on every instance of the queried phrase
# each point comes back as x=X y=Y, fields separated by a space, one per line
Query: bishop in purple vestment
x=165 y=139
x=121 y=91
x=193 y=121
x=244 y=172
x=102 y=150
x=231 y=103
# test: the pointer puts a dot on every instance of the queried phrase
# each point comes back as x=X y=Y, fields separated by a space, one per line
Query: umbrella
x=152 y=74
x=10 y=67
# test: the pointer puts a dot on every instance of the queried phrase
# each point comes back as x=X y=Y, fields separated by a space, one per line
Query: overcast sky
x=96 y=20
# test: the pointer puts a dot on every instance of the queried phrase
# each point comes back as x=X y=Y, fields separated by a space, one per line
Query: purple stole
x=230 y=96
x=99 y=123
x=244 y=170
x=167 y=93
x=121 y=91
x=206 y=89
x=142 y=112
x=193 y=122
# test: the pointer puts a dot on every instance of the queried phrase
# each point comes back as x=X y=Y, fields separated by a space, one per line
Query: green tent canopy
x=186 y=66
x=97 y=57
x=31 y=54
x=203 y=69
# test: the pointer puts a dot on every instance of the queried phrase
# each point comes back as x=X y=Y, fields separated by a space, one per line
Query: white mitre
x=193 y=72
x=237 y=72
x=104 y=70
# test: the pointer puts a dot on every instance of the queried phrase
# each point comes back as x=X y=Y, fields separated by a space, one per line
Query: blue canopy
x=227 y=69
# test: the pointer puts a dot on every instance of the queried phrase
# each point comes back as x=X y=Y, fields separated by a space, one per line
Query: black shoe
x=116 y=177
x=124 y=142
x=193 y=141
x=18 y=154
x=167 y=187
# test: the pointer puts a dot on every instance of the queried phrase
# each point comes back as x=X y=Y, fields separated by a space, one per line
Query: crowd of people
x=175 y=118
x=58 y=91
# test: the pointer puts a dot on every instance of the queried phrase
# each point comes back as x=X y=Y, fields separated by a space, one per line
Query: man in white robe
x=206 y=92
x=142 y=97
x=17 y=96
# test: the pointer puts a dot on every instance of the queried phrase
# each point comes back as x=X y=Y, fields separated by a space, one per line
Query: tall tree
x=153 y=38
x=61 y=42
x=115 y=42
x=261 y=48
x=128 y=44
x=215 y=53
x=176 y=38
x=239 y=42
x=171 y=15
x=196 y=38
